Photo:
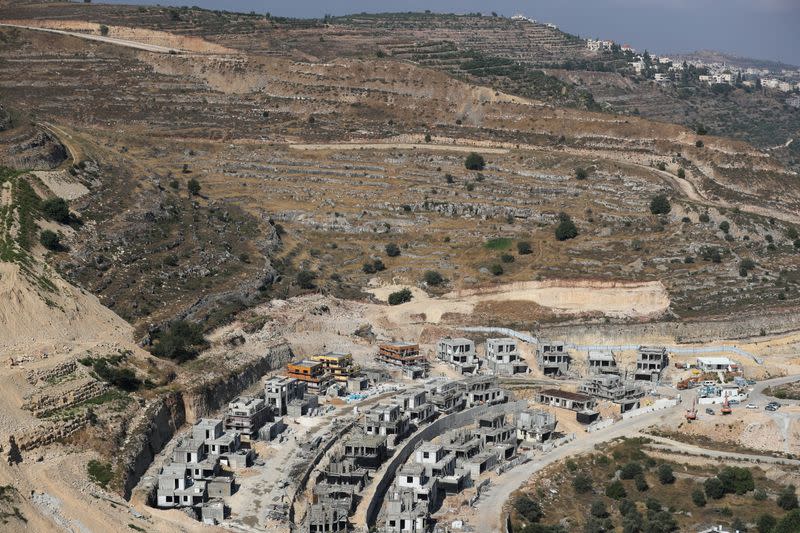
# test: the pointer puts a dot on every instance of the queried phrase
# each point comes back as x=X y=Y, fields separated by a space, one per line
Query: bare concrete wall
x=435 y=429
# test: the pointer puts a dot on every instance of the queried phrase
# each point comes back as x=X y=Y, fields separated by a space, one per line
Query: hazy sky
x=764 y=29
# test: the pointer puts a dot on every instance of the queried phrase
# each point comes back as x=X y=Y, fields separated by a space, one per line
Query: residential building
x=613 y=388
x=247 y=414
x=535 y=425
x=367 y=451
x=567 y=400
x=479 y=390
x=414 y=406
x=405 y=354
x=339 y=365
x=602 y=362
x=717 y=364
x=552 y=358
x=503 y=357
x=651 y=362
x=312 y=373
x=386 y=420
x=447 y=397
x=460 y=353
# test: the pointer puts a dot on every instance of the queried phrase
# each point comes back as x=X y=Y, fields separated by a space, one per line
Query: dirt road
x=104 y=39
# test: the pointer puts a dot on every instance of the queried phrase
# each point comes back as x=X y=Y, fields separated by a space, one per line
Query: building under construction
x=403 y=354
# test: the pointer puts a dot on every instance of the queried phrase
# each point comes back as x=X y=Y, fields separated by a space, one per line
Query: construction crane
x=691 y=414
x=726 y=406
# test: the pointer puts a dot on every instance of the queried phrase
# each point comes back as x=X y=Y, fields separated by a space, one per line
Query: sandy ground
x=61 y=184
x=611 y=299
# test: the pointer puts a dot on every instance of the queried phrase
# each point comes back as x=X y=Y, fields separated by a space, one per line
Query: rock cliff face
x=164 y=417
x=212 y=395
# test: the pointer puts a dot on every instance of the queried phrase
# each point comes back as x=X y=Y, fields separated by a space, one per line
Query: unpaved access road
x=104 y=39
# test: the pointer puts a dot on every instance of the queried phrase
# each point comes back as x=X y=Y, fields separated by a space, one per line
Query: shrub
x=528 y=508
x=630 y=470
x=524 y=248
x=103 y=29
x=581 y=173
x=400 y=297
x=193 y=186
x=787 y=499
x=475 y=161
x=791 y=233
x=641 y=483
x=122 y=378
x=790 y=523
x=662 y=166
x=681 y=173
x=56 y=209
x=660 y=205
x=181 y=341
x=626 y=507
x=507 y=258
x=704 y=217
x=699 y=143
x=665 y=475
x=433 y=278
x=599 y=509
x=470 y=186
x=368 y=268
x=616 y=490
x=427 y=137
x=760 y=495
x=766 y=523
x=449 y=178
x=392 y=250
x=582 y=483
x=496 y=269
x=175 y=184
x=714 y=488
x=50 y=240
x=100 y=473
x=698 y=498
x=566 y=229
x=305 y=279
x=725 y=226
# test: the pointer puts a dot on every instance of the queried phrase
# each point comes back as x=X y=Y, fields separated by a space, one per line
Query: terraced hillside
x=237 y=124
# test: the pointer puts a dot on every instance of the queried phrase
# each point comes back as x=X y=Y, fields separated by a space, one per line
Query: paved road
x=104 y=39
x=490 y=507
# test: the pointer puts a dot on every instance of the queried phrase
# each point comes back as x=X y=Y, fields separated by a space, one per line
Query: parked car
x=709 y=411
x=751 y=406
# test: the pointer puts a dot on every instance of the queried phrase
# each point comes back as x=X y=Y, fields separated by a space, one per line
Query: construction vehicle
x=726 y=406
x=691 y=414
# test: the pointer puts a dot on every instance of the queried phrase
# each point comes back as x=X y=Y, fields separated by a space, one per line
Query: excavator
x=726 y=406
x=691 y=414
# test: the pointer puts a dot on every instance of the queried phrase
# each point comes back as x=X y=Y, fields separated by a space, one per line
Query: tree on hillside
x=392 y=250
x=194 y=187
x=400 y=297
x=305 y=279
x=56 y=209
x=566 y=228
x=433 y=278
x=50 y=240
x=660 y=205
x=475 y=161
x=180 y=341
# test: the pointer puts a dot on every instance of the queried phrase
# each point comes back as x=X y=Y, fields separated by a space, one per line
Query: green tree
x=599 y=509
x=566 y=228
x=496 y=269
x=736 y=480
x=193 y=186
x=698 y=143
x=581 y=173
x=659 y=205
x=56 y=209
x=103 y=29
x=725 y=226
x=400 y=297
x=616 y=490
x=787 y=499
x=630 y=470
x=681 y=173
x=305 y=279
x=641 y=483
x=766 y=523
x=50 y=240
x=790 y=523
x=698 y=498
x=427 y=137
x=524 y=248
x=665 y=475
x=433 y=278
x=392 y=250
x=181 y=341
x=475 y=161
x=582 y=483
x=714 y=488
x=704 y=217
x=507 y=258
x=528 y=508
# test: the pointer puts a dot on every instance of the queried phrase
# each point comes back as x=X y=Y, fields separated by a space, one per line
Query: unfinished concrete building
x=312 y=373
x=405 y=355
x=386 y=420
x=613 y=388
x=535 y=425
x=447 y=397
x=326 y=518
x=404 y=514
x=344 y=471
x=367 y=451
x=414 y=405
x=247 y=414
x=288 y=396
x=650 y=363
x=339 y=365
x=601 y=362
x=503 y=357
x=460 y=353
x=573 y=401
x=193 y=477
x=479 y=390
x=552 y=358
